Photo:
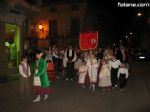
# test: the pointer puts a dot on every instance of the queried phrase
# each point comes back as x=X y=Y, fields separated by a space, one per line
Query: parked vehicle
x=140 y=55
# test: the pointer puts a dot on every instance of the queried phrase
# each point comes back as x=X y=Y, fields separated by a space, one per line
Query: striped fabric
x=37 y=90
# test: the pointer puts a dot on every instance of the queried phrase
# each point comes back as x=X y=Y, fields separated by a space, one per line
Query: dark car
x=141 y=55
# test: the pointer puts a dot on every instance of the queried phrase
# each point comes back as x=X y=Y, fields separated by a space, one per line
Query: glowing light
x=139 y=14
x=131 y=33
x=40 y=27
x=7 y=44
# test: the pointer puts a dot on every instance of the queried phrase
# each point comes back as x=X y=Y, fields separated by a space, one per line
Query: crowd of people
x=106 y=68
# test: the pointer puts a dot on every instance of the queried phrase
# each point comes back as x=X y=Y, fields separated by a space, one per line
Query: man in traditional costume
x=70 y=58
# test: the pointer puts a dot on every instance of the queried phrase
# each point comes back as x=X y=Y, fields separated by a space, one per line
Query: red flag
x=88 y=40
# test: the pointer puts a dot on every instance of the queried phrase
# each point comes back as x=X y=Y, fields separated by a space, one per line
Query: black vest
x=70 y=57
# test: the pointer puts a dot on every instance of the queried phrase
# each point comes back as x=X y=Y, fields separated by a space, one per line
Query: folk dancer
x=50 y=66
x=82 y=74
x=104 y=77
x=25 y=73
x=114 y=65
x=70 y=58
x=41 y=82
x=77 y=65
x=92 y=66
x=122 y=76
x=56 y=60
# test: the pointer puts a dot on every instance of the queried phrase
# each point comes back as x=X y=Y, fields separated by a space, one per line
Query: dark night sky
x=124 y=19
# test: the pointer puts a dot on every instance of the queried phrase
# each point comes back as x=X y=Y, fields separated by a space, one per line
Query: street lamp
x=131 y=33
x=40 y=26
x=139 y=14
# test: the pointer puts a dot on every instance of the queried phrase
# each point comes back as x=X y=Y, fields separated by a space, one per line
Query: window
x=53 y=28
x=75 y=26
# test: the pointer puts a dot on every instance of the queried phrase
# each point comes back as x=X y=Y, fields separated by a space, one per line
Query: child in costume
x=50 y=66
x=104 y=77
x=82 y=74
x=92 y=66
x=41 y=82
x=77 y=64
x=122 y=76
x=114 y=65
x=25 y=73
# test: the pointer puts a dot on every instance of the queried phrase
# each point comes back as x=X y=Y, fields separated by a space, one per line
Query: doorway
x=12 y=44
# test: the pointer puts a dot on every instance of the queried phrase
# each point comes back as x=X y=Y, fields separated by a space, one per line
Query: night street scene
x=74 y=56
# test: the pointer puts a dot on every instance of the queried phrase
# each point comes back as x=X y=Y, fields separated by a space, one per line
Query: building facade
x=61 y=23
x=13 y=14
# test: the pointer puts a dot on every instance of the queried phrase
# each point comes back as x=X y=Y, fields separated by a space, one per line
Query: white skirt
x=82 y=78
x=104 y=82
x=36 y=81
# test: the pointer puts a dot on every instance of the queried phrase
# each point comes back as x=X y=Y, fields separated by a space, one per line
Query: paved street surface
x=68 y=97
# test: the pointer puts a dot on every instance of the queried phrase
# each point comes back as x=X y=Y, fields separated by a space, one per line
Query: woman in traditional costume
x=41 y=82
